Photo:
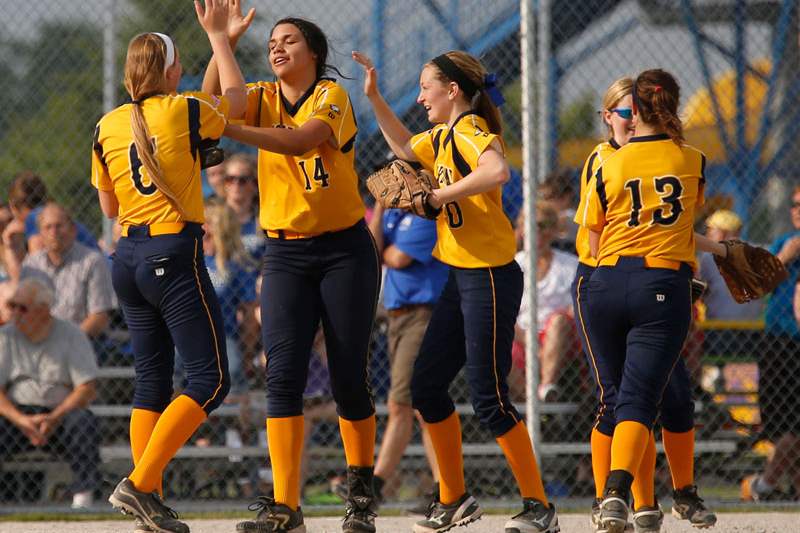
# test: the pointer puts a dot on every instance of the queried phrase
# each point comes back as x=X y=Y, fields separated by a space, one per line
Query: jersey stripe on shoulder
x=601 y=189
x=190 y=97
x=589 y=166
x=194 y=126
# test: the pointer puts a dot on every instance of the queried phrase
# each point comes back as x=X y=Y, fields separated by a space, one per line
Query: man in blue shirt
x=779 y=368
x=413 y=282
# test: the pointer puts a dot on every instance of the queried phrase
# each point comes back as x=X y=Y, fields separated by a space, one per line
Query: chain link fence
x=736 y=62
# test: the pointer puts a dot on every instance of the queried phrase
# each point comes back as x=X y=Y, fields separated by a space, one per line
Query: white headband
x=170 y=50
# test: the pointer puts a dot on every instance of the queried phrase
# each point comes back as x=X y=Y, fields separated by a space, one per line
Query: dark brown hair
x=317 y=42
x=656 y=96
x=27 y=190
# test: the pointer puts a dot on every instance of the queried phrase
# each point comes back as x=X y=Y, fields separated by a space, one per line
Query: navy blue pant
x=472 y=326
x=635 y=320
x=334 y=277
x=677 y=406
x=76 y=440
x=168 y=302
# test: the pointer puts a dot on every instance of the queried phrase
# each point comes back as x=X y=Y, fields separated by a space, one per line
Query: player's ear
x=452 y=90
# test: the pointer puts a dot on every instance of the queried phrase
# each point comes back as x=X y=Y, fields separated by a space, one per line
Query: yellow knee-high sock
x=176 y=424
x=517 y=447
x=141 y=427
x=358 y=437
x=446 y=439
x=643 y=487
x=285 y=437
x=679 y=449
x=628 y=446
x=601 y=460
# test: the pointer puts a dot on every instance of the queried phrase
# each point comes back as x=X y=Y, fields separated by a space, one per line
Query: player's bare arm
x=394 y=131
x=491 y=172
x=237 y=26
x=108 y=203
x=294 y=142
x=214 y=20
x=704 y=244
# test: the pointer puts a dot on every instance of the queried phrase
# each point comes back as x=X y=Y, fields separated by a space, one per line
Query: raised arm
x=237 y=26
x=396 y=134
x=491 y=172
x=214 y=20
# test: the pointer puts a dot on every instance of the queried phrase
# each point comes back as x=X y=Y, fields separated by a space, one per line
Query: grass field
x=735 y=522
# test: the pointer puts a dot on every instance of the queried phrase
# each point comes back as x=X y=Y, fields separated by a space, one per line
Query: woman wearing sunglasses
x=677 y=409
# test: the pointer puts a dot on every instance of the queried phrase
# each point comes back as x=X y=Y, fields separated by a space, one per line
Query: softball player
x=320 y=263
x=639 y=211
x=146 y=167
x=473 y=322
x=677 y=409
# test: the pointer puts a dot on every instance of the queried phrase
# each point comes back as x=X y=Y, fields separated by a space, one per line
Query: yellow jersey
x=316 y=192
x=643 y=198
x=473 y=232
x=599 y=154
x=178 y=124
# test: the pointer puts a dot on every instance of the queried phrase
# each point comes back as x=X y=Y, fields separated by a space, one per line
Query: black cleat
x=360 y=505
x=614 y=512
x=272 y=517
x=534 y=518
x=140 y=527
x=445 y=517
x=648 y=519
x=687 y=505
x=147 y=507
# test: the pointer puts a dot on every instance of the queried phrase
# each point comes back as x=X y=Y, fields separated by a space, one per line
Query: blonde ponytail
x=144 y=77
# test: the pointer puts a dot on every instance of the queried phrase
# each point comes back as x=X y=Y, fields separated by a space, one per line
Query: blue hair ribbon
x=490 y=86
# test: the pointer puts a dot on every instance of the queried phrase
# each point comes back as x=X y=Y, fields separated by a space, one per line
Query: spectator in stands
x=85 y=295
x=558 y=190
x=241 y=195
x=47 y=380
x=720 y=305
x=554 y=322
x=27 y=196
x=778 y=371
x=412 y=284
x=12 y=242
x=233 y=273
x=215 y=177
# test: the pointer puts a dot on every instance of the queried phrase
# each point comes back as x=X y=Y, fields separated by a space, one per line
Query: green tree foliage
x=51 y=92
x=577 y=119
x=53 y=104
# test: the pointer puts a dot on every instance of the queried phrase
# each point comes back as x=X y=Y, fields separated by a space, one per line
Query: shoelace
x=350 y=511
x=527 y=507
x=263 y=503
x=169 y=511
x=691 y=494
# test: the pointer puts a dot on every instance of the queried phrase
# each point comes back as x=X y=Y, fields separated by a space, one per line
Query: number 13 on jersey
x=668 y=189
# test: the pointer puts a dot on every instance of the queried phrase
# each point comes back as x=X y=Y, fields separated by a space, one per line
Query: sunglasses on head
x=239 y=179
x=623 y=112
x=16 y=306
